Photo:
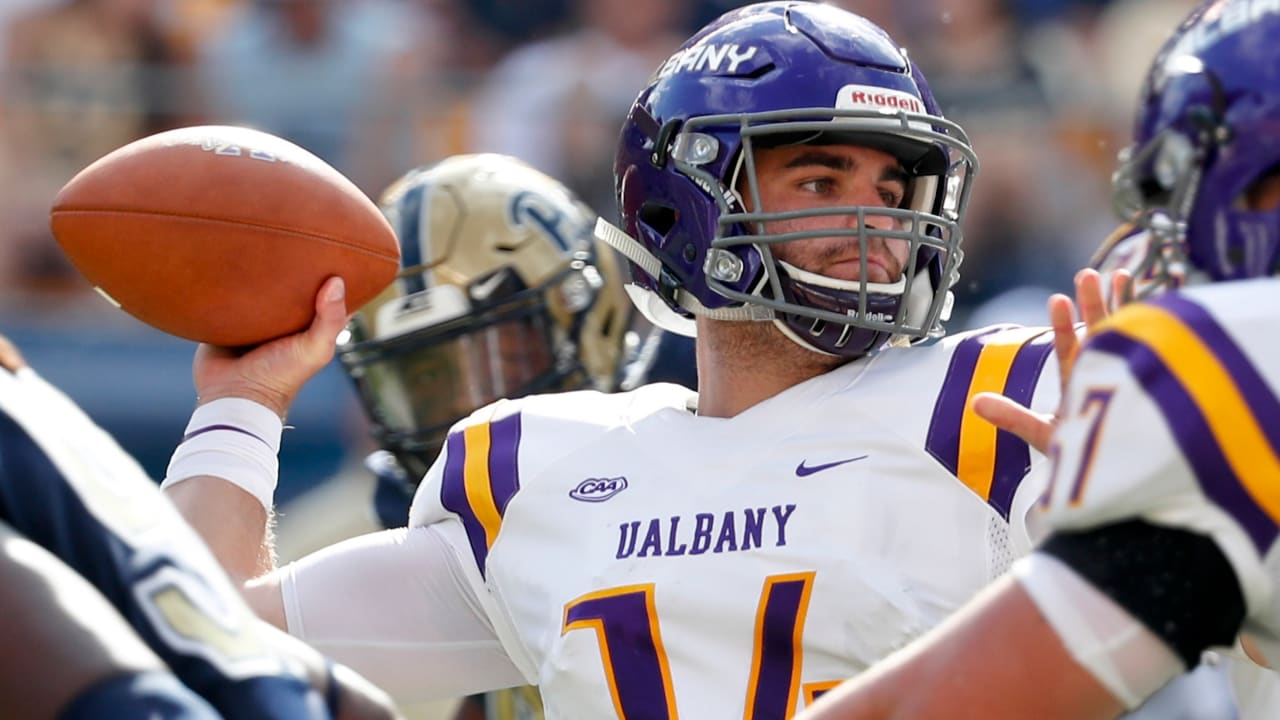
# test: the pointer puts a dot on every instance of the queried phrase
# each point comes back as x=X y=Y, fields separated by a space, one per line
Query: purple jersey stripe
x=1257 y=394
x=1013 y=457
x=943 y=438
x=453 y=495
x=1214 y=474
x=504 y=469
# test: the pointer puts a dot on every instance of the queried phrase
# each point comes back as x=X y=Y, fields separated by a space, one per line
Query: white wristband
x=233 y=439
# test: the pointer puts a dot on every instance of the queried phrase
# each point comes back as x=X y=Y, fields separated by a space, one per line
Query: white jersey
x=641 y=561
x=1172 y=416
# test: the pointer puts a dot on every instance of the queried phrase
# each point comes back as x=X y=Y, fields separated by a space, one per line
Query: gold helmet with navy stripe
x=502 y=292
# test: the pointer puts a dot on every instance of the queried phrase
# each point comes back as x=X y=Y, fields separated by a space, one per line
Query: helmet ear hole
x=661 y=218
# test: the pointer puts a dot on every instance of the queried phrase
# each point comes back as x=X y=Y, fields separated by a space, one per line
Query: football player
x=1165 y=490
x=790 y=193
x=501 y=294
x=110 y=595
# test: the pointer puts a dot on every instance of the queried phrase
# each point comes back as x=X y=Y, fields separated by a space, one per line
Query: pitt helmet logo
x=598 y=489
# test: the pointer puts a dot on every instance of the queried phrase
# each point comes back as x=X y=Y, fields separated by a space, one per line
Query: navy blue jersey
x=67 y=486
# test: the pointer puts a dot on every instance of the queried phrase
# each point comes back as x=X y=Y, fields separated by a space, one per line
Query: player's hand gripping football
x=274 y=372
x=1094 y=307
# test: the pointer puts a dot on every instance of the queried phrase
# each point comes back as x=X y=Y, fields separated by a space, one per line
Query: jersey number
x=1096 y=403
x=635 y=663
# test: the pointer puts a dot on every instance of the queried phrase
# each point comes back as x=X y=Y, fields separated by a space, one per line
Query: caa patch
x=598 y=489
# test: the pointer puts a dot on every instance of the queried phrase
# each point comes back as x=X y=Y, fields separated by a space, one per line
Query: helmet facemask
x=831 y=315
x=453 y=358
x=1153 y=188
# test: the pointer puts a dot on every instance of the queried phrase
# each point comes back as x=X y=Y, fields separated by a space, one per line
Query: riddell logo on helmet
x=869 y=97
x=880 y=317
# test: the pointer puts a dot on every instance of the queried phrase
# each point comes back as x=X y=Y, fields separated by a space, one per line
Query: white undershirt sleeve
x=394 y=607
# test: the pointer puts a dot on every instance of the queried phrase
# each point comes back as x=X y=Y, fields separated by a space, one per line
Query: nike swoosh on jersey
x=803 y=470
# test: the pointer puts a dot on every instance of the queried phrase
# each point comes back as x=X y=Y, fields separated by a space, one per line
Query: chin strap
x=640 y=256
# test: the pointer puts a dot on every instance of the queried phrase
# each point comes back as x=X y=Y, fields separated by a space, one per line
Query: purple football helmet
x=1208 y=128
x=767 y=75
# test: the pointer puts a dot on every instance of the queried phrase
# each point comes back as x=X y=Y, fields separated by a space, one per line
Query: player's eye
x=820 y=186
x=891 y=196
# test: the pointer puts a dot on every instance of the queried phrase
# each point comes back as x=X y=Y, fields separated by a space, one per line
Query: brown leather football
x=222 y=234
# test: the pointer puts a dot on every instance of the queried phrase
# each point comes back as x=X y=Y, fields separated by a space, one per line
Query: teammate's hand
x=274 y=372
x=1094 y=305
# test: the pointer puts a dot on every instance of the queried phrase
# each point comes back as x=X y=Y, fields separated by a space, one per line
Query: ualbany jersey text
x=1172 y=416
x=639 y=561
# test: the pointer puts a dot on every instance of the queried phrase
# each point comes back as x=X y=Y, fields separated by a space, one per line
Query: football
x=222 y=234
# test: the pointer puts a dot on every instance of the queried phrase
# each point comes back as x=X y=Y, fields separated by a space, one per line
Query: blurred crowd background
x=1044 y=87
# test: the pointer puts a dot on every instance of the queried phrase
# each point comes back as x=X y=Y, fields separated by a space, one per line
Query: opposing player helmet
x=1207 y=129
x=502 y=292
x=772 y=74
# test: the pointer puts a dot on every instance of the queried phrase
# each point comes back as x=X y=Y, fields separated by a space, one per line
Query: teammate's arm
x=996 y=658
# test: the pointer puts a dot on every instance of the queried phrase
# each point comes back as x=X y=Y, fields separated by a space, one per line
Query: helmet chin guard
x=872 y=302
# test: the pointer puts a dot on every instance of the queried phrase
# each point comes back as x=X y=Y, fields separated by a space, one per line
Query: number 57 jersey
x=640 y=561
x=1172 y=417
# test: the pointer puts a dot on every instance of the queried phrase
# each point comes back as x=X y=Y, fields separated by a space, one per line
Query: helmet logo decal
x=711 y=56
x=871 y=97
x=531 y=208
x=598 y=489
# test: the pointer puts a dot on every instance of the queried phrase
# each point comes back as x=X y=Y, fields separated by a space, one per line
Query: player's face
x=802 y=177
